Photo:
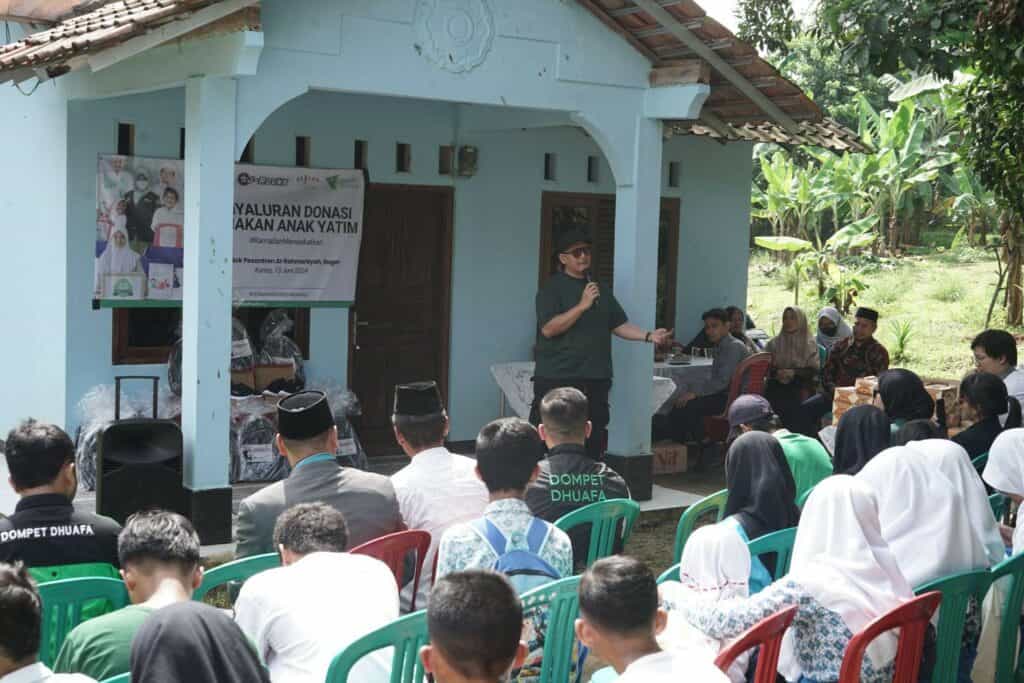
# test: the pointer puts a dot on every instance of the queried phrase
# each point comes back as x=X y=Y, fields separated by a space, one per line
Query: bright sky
x=724 y=11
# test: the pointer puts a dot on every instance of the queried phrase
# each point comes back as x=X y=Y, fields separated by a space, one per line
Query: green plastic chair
x=670 y=574
x=998 y=502
x=980 y=462
x=63 y=603
x=406 y=635
x=603 y=518
x=123 y=678
x=239 y=570
x=803 y=498
x=561 y=599
x=99 y=570
x=1007 y=665
x=956 y=590
x=713 y=503
x=778 y=542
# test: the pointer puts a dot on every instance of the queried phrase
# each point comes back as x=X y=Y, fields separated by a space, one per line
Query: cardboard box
x=669 y=457
x=268 y=374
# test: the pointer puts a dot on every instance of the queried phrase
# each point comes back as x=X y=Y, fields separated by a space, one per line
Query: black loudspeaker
x=139 y=463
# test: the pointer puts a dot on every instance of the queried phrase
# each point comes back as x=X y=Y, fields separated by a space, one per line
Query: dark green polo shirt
x=585 y=350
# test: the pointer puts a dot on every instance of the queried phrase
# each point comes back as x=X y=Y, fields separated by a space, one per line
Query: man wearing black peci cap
x=575 y=320
x=858 y=356
x=308 y=439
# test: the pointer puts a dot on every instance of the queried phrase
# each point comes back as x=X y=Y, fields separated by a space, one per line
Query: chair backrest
x=99 y=570
x=1009 y=630
x=688 y=521
x=998 y=502
x=239 y=570
x=957 y=590
x=561 y=600
x=670 y=574
x=392 y=551
x=911 y=618
x=822 y=356
x=980 y=462
x=749 y=377
x=123 y=678
x=767 y=634
x=604 y=518
x=779 y=543
x=63 y=602
x=406 y=635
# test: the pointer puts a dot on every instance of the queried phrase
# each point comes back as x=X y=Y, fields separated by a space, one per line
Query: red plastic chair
x=768 y=635
x=911 y=618
x=392 y=551
x=749 y=378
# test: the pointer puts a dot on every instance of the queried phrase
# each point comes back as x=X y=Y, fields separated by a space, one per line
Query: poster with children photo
x=139 y=227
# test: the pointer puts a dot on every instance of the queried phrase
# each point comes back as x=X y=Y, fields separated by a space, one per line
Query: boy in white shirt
x=619 y=619
x=168 y=220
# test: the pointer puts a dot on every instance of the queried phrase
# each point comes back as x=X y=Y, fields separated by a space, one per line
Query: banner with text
x=297 y=233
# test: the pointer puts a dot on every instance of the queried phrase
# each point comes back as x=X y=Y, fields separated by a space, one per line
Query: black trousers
x=596 y=391
x=815 y=408
x=686 y=424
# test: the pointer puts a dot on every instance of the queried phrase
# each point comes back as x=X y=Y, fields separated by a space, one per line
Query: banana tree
x=773 y=202
x=972 y=206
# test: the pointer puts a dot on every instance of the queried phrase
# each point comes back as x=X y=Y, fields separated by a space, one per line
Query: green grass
x=943 y=295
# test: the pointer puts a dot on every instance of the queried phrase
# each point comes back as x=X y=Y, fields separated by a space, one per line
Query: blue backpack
x=525 y=569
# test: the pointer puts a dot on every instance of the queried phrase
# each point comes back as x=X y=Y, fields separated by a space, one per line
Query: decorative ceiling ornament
x=455 y=35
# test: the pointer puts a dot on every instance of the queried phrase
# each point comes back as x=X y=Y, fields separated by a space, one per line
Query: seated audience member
x=474 y=620
x=21 y=631
x=738 y=327
x=995 y=352
x=195 y=643
x=320 y=601
x=507 y=455
x=437 y=488
x=842 y=577
x=807 y=458
x=45 y=529
x=309 y=440
x=953 y=462
x=917 y=430
x=620 y=620
x=1004 y=472
x=568 y=478
x=863 y=432
x=922 y=516
x=795 y=365
x=902 y=396
x=987 y=400
x=715 y=566
x=831 y=328
x=686 y=421
x=159 y=556
x=762 y=495
x=858 y=356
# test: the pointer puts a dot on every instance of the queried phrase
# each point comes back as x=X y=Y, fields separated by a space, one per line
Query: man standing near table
x=574 y=319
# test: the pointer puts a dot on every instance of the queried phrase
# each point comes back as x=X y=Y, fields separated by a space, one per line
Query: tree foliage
x=767 y=24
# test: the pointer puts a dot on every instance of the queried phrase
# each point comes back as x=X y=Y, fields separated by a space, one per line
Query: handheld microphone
x=590 y=280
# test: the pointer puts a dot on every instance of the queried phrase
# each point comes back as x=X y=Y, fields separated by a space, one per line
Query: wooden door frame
x=444 y=346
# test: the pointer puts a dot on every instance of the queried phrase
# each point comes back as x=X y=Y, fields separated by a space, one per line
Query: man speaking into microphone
x=575 y=320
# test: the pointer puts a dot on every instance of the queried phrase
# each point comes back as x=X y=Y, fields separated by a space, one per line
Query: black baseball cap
x=747 y=409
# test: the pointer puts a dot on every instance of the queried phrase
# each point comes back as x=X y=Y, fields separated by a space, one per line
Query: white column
x=637 y=208
x=206 y=352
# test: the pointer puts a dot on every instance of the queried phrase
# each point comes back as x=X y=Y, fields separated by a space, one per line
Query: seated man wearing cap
x=438 y=488
x=808 y=460
x=858 y=356
x=308 y=438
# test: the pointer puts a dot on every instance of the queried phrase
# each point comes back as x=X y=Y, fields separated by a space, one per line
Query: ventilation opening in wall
x=673 y=174
x=302 y=151
x=550 y=166
x=446 y=160
x=126 y=139
x=248 y=154
x=593 y=169
x=403 y=157
x=181 y=143
x=359 y=155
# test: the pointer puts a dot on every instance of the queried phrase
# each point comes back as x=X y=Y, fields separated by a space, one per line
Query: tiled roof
x=827 y=133
x=104 y=27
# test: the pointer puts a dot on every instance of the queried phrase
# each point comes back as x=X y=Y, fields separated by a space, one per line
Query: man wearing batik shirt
x=858 y=356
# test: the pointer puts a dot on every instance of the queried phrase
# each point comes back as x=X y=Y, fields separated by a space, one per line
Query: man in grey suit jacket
x=308 y=438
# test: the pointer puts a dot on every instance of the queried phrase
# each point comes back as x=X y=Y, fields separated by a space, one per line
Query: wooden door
x=400 y=323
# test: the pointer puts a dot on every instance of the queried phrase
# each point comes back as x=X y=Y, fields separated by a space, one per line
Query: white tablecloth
x=516 y=387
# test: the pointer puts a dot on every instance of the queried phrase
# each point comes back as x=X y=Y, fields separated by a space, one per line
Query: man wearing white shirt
x=320 y=601
x=619 y=619
x=995 y=352
x=437 y=489
x=20 y=631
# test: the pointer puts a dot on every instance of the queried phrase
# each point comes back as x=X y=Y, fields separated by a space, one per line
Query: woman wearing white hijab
x=922 y=517
x=118 y=258
x=1005 y=473
x=715 y=566
x=842 y=577
x=832 y=327
x=952 y=460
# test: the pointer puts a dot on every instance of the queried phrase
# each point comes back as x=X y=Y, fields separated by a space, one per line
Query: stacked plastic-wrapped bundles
x=279 y=364
x=254 y=457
